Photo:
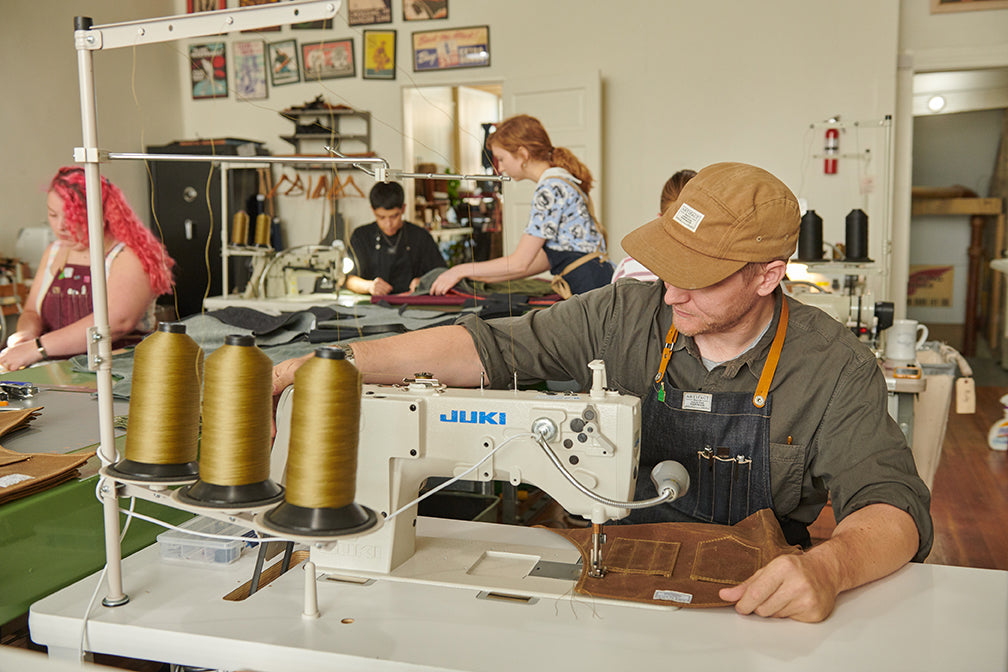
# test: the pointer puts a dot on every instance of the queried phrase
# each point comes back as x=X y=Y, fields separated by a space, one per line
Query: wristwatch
x=41 y=349
x=347 y=352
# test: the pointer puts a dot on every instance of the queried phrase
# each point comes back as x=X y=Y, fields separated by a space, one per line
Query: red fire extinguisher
x=832 y=150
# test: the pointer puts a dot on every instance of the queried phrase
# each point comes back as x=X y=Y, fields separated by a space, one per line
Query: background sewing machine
x=298 y=271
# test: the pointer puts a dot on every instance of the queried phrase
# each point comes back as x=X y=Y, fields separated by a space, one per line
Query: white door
x=570 y=107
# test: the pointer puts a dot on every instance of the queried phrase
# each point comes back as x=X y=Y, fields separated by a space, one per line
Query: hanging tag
x=661 y=391
x=965 y=395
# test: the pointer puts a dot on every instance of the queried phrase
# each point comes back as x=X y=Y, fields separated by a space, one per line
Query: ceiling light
x=936 y=103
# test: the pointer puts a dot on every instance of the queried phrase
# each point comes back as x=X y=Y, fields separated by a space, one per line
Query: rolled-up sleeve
x=863 y=457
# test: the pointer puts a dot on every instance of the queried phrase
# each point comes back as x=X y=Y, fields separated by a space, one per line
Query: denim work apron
x=721 y=438
x=590 y=275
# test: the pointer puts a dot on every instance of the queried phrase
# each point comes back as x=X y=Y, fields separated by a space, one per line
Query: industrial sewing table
x=924 y=617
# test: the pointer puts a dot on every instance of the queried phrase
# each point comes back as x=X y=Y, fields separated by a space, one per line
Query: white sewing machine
x=298 y=271
x=589 y=444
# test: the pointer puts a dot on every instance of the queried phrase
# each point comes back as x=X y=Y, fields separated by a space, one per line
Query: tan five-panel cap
x=727 y=216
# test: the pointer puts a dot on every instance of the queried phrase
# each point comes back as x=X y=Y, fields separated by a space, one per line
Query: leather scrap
x=23 y=474
x=679 y=564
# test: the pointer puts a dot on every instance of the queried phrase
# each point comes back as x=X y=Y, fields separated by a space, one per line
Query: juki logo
x=476 y=417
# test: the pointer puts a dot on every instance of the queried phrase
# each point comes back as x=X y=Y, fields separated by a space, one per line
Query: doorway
x=444 y=130
x=957 y=127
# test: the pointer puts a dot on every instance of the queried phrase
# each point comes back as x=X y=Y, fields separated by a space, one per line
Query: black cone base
x=322 y=521
x=154 y=473
x=209 y=495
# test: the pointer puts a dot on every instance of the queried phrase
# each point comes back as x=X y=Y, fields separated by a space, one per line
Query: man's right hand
x=380 y=288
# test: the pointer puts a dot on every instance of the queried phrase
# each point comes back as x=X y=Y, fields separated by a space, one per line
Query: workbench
x=923 y=617
x=52 y=538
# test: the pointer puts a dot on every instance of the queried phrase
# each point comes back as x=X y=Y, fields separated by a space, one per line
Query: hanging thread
x=162 y=440
x=235 y=443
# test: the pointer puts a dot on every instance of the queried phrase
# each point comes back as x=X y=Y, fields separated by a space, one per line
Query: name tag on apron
x=696 y=401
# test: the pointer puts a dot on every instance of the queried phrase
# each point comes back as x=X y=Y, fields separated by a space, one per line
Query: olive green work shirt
x=831 y=436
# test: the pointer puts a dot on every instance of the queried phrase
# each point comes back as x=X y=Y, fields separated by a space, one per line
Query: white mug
x=903 y=339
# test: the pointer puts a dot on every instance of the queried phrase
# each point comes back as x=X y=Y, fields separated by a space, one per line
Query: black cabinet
x=186 y=214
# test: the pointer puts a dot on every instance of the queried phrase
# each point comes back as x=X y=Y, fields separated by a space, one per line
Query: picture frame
x=208 y=70
x=321 y=24
x=249 y=58
x=194 y=6
x=424 y=10
x=328 y=60
x=283 y=62
x=368 y=12
x=943 y=6
x=253 y=3
x=378 y=54
x=467 y=47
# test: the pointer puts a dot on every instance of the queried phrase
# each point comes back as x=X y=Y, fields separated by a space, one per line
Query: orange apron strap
x=670 y=339
x=766 y=377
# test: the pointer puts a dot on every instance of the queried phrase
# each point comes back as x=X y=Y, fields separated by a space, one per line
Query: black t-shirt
x=408 y=254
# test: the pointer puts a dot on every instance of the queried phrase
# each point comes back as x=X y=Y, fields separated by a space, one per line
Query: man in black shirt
x=390 y=254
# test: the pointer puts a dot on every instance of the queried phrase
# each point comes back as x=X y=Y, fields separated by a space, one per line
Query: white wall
x=684 y=85
x=40 y=121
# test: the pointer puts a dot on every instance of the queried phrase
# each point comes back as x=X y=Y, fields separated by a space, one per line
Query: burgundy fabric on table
x=679 y=564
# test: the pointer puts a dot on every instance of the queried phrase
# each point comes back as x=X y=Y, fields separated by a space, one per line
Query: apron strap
x=766 y=377
x=769 y=367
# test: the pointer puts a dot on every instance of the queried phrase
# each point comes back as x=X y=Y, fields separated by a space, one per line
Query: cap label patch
x=688 y=217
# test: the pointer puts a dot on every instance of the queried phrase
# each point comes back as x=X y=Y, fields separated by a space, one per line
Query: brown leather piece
x=32 y=472
x=668 y=563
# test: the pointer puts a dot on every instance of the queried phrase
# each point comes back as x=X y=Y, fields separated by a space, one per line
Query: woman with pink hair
x=58 y=310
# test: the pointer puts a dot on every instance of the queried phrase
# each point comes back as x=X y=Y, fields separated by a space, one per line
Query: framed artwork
x=208 y=70
x=941 y=6
x=321 y=24
x=368 y=12
x=328 y=60
x=283 y=63
x=379 y=54
x=249 y=69
x=454 y=48
x=193 y=6
x=424 y=10
x=253 y=3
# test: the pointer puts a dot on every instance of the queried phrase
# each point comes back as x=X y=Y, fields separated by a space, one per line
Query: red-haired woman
x=562 y=235
x=58 y=310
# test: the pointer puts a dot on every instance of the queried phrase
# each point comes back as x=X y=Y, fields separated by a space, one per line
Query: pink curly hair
x=120 y=220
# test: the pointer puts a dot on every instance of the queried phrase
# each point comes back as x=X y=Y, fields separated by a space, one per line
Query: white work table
x=924 y=617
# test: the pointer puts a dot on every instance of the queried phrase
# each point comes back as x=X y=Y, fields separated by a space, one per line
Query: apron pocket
x=642 y=556
x=722 y=488
x=725 y=560
x=787 y=471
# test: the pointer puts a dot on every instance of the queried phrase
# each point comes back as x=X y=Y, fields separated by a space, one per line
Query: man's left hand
x=790 y=586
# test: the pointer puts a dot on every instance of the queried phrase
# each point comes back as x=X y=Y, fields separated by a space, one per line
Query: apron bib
x=721 y=438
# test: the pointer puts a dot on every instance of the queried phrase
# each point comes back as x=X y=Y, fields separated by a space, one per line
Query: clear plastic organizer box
x=178 y=546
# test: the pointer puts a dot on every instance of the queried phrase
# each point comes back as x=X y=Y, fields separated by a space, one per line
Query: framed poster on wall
x=249 y=59
x=454 y=48
x=941 y=6
x=379 y=54
x=424 y=10
x=208 y=70
x=283 y=60
x=368 y=12
x=328 y=60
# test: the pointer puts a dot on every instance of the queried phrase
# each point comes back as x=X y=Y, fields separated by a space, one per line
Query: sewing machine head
x=419 y=429
x=302 y=270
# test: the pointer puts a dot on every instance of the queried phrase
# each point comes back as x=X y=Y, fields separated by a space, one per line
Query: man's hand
x=283 y=373
x=870 y=543
x=380 y=288
x=789 y=586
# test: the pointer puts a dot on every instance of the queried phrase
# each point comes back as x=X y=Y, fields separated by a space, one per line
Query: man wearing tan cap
x=767 y=402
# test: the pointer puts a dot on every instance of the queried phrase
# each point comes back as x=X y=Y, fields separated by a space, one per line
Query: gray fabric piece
x=284 y=342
